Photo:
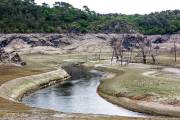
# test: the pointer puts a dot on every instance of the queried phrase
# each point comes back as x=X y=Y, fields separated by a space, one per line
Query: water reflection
x=76 y=96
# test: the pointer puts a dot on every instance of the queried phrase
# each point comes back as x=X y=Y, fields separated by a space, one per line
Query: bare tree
x=175 y=49
x=130 y=51
x=118 y=49
x=137 y=42
x=130 y=41
x=153 y=52
x=114 y=52
x=100 y=51
x=142 y=46
x=147 y=49
x=100 y=54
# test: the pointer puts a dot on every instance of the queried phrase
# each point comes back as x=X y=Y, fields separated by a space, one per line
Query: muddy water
x=76 y=96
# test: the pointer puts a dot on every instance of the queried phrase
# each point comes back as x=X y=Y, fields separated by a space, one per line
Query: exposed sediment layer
x=138 y=105
x=15 y=89
x=75 y=43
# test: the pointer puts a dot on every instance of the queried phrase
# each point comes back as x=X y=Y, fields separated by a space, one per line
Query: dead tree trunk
x=117 y=50
x=144 y=59
x=112 y=56
x=130 y=57
x=153 y=58
x=121 y=56
x=100 y=54
x=141 y=41
x=152 y=52
x=175 y=51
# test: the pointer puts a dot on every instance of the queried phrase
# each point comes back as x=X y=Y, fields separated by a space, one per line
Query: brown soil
x=9 y=72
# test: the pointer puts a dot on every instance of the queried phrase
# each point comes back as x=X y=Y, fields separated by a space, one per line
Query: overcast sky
x=122 y=6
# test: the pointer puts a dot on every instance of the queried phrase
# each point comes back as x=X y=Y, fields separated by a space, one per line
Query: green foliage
x=26 y=16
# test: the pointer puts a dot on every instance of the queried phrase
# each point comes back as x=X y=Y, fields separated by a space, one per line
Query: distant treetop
x=25 y=16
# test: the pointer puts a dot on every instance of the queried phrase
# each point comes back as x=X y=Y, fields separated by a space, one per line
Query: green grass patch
x=130 y=82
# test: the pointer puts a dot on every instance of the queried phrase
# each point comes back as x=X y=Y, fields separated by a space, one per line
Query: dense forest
x=25 y=16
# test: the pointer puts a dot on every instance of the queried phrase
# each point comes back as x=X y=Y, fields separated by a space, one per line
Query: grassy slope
x=133 y=84
x=36 y=63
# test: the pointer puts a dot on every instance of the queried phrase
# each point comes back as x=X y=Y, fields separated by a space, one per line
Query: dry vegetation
x=132 y=83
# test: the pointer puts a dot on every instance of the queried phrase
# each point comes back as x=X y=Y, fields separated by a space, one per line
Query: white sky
x=122 y=6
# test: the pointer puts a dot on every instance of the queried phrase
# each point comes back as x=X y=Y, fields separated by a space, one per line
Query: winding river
x=76 y=96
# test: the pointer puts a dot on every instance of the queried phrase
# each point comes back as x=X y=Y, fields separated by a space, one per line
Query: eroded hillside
x=74 y=43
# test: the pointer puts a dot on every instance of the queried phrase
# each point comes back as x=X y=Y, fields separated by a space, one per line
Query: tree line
x=25 y=16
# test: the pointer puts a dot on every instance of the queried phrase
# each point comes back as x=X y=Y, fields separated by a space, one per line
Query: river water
x=76 y=96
